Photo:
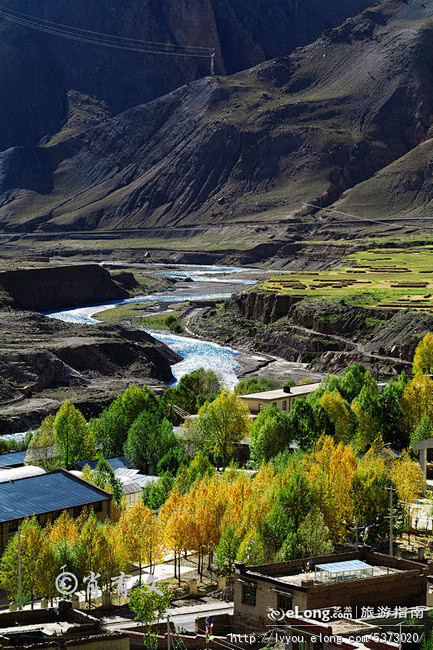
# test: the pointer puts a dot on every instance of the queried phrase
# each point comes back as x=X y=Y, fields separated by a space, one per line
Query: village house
x=282 y=399
x=46 y=496
x=56 y=628
x=359 y=579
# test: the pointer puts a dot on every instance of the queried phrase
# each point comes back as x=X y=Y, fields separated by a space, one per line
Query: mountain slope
x=37 y=70
x=248 y=147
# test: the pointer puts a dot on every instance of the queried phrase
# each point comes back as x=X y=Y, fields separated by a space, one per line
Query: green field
x=381 y=277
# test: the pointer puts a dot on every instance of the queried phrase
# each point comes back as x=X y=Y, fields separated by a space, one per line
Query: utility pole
x=20 y=600
x=212 y=62
x=168 y=633
x=391 y=521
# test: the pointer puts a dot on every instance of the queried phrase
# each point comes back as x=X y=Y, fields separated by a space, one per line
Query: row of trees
x=297 y=505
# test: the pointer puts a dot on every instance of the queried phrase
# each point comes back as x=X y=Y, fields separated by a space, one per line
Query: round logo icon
x=275 y=614
x=66 y=583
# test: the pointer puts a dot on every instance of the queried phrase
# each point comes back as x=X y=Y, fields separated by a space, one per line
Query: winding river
x=195 y=353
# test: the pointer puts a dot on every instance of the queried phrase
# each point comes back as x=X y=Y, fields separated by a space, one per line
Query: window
x=249 y=595
x=98 y=507
x=284 y=602
x=274 y=405
x=260 y=407
x=285 y=405
x=13 y=526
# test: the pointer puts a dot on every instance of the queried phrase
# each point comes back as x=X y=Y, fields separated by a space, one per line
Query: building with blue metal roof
x=47 y=496
x=119 y=462
x=14 y=459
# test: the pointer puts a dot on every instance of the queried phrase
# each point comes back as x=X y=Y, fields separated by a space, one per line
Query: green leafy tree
x=392 y=425
x=313 y=535
x=276 y=527
x=270 y=434
x=352 y=381
x=73 y=440
x=111 y=428
x=104 y=476
x=308 y=420
x=172 y=460
x=32 y=546
x=147 y=607
x=257 y=384
x=423 y=431
x=224 y=423
x=366 y=407
x=199 y=467
x=155 y=494
x=227 y=550
x=148 y=441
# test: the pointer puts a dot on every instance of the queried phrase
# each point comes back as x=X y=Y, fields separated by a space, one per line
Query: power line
x=43 y=21
x=108 y=40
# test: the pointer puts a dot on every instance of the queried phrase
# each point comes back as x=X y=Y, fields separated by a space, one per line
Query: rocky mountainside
x=328 y=335
x=46 y=80
x=44 y=361
x=250 y=147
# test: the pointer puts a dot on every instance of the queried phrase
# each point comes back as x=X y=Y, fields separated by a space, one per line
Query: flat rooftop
x=279 y=393
x=297 y=578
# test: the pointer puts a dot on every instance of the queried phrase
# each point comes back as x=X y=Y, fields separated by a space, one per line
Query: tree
x=199 y=467
x=417 y=401
x=370 y=495
x=270 y=434
x=330 y=469
x=257 y=384
x=423 y=431
x=140 y=535
x=366 y=408
x=314 y=536
x=148 y=606
x=224 y=423
x=202 y=382
x=423 y=358
x=92 y=549
x=408 y=479
x=72 y=438
x=308 y=420
x=340 y=415
x=41 y=447
x=392 y=425
x=32 y=552
x=155 y=494
x=111 y=429
x=227 y=550
x=148 y=441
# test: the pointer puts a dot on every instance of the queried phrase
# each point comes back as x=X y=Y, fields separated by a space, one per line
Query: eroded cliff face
x=37 y=70
x=59 y=287
x=329 y=335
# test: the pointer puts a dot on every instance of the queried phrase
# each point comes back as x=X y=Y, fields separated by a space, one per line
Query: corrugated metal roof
x=16 y=473
x=46 y=493
x=348 y=565
x=127 y=475
x=14 y=459
x=131 y=488
x=115 y=463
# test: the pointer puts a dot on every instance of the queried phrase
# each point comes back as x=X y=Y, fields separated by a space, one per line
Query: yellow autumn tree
x=408 y=479
x=423 y=358
x=139 y=531
x=175 y=522
x=417 y=401
x=330 y=469
x=257 y=507
x=205 y=504
x=338 y=411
